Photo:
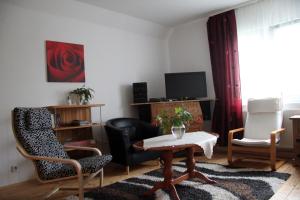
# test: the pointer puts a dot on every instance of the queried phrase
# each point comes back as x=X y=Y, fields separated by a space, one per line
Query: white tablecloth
x=200 y=138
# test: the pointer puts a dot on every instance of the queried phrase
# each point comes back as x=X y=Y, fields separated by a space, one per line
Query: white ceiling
x=166 y=12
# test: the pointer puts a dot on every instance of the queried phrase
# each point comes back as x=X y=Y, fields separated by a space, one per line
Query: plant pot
x=74 y=99
x=83 y=101
x=178 y=131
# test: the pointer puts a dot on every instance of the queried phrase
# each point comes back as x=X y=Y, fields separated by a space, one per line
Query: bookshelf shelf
x=62 y=128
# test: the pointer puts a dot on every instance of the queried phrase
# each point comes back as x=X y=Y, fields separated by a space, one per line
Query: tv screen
x=189 y=85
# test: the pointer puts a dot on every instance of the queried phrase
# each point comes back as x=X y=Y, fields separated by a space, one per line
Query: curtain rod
x=231 y=8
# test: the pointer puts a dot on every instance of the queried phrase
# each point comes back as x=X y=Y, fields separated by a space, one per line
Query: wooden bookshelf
x=67 y=133
x=75 y=106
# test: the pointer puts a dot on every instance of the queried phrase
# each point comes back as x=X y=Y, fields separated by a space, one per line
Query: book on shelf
x=53 y=124
x=80 y=122
x=55 y=120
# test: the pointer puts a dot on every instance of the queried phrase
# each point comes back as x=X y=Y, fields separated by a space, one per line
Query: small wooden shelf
x=76 y=127
x=78 y=135
x=75 y=106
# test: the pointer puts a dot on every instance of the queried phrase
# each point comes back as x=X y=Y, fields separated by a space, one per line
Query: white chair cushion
x=253 y=142
x=263 y=117
x=260 y=125
x=264 y=105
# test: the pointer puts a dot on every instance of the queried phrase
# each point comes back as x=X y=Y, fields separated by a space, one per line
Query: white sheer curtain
x=269 y=49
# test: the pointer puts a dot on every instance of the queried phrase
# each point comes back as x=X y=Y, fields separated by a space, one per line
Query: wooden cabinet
x=67 y=132
x=192 y=106
x=296 y=136
x=149 y=111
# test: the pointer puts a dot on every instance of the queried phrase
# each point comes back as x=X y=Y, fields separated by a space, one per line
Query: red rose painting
x=65 y=62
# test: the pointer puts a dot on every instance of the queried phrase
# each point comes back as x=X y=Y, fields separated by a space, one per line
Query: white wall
x=189 y=52
x=119 y=50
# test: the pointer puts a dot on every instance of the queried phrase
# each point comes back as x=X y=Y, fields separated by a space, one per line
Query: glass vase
x=178 y=131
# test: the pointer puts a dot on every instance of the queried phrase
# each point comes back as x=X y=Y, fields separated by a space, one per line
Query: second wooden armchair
x=262 y=129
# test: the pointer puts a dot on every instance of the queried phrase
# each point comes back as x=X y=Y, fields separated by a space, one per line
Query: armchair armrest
x=69 y=147
x=72 y=162
x=231 y=133
x=116 y=133
x=150 y=130
x=119 y=143
x=230 y=138
x=278 y=131
x=234 y=131
x=118 y=137
x=274 y=134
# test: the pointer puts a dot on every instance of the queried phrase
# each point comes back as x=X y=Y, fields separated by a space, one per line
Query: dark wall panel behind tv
x=188 y=84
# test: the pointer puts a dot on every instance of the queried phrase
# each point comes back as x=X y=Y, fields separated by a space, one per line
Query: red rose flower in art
x=65 y=62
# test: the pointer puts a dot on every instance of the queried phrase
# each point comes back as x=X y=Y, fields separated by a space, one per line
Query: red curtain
x=223 y=45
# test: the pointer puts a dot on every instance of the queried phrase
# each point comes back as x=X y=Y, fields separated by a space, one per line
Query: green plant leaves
x=167 y=119
x=84 y=92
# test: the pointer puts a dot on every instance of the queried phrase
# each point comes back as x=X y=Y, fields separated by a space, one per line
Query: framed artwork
x=65 y=62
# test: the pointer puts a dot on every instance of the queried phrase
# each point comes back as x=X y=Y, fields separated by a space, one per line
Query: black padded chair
x=122 y=133
x=37 y=142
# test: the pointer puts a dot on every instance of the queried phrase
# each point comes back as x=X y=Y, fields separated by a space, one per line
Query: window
x=270 y=62
x=287 y=57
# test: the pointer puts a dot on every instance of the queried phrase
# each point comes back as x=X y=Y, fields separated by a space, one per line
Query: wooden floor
x=33 y=190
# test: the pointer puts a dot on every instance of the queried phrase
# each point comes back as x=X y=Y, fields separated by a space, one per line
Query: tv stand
x=191 y=98
x=149 y=110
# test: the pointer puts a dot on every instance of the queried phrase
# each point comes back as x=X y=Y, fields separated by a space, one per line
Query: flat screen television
x=187 y=85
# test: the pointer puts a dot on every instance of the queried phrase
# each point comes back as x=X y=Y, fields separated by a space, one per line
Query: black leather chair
x=122 y=133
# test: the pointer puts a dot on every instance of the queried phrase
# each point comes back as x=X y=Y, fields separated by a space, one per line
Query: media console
x=149 y=110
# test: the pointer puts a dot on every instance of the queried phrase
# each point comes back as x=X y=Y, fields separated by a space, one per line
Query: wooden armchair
x=262 y=129
x=37 y=142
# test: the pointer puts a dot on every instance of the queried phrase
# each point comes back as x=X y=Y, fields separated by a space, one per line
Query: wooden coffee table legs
x=168 y=182
x=190 y=164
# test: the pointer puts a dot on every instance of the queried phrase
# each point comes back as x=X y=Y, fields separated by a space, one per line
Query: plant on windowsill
x=174 y=122
x=84 y=95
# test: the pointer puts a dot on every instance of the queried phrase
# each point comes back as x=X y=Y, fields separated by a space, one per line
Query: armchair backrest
x=133 y=127
x=33 y=131
x=263 y=117
x=123 y=122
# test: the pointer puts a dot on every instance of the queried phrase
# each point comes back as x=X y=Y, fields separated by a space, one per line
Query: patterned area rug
x=232 y=184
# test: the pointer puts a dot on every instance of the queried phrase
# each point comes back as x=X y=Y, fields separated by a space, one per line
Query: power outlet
x=13 y=169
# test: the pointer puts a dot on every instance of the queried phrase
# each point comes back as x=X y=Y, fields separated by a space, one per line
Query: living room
x=128 y=42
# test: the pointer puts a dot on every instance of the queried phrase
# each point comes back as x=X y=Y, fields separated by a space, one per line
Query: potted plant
x=84 y=93
x=174 y=122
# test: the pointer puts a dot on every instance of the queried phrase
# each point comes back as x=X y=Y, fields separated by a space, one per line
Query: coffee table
x=168 y=145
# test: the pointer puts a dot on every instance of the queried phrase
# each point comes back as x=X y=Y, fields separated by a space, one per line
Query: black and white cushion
x=34 y=132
